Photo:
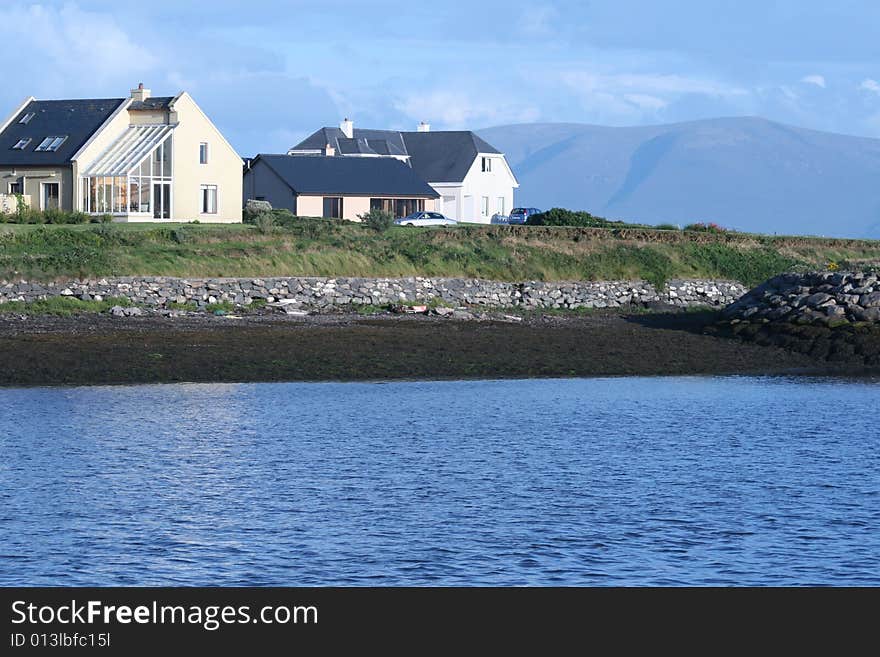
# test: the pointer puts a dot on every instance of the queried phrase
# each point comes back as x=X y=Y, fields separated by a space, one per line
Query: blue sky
x=269 y=73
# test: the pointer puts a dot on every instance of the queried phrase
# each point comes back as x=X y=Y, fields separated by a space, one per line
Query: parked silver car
x=425 y=219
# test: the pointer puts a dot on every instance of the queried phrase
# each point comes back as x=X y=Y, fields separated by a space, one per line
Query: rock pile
x=322 y=293
x=825 y=298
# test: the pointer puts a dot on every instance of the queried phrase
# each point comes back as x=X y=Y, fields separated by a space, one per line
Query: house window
x=27 y=117
x=484 y=207
x=332 y=207
x=14 y=188
x=51 y=144
x=487 y=164
x=410 y=205
x=50 y=196
x=21 y=144
x=203 y=153
x=384 y=204
x=209 y=199
x=500 y=205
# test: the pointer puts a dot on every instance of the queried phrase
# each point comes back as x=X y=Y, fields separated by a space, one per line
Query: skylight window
x=21 y=144
x=27 y=117
x=51 y=144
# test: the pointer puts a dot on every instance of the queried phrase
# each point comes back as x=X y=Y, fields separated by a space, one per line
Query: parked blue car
x=521 y=215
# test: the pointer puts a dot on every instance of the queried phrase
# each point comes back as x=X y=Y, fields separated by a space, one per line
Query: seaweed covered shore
x=101 y=349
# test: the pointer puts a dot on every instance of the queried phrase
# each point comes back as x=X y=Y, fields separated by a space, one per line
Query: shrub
x=253 y=209
x=666 y=227
x=563 y=217
x=181 y=235
x=264 y=223
x=26 y=215
x=378 y=220
x=706 y=228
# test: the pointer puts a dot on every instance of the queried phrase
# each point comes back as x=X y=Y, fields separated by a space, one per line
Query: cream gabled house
x=140 y=158
x=471 y=177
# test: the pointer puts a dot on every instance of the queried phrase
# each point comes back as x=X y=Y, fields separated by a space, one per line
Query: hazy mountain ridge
x=745 y=173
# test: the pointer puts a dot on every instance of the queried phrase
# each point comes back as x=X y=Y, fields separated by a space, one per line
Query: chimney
x=424 y=127
x=329 y=151
x=347 y=127
x=140 y=94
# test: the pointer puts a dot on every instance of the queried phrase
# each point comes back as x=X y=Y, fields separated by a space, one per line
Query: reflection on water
x=578 y=481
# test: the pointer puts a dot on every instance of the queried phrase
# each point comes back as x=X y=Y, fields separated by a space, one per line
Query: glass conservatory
x=133 y=177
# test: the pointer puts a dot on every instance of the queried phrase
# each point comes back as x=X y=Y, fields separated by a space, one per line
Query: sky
x=270 y=73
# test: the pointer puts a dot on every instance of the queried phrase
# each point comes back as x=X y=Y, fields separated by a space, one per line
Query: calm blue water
x=591 y=481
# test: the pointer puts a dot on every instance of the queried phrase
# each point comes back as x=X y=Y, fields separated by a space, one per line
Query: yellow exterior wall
x=224 y=167
x=148 y=117
x=352 y=206
x=310 y=206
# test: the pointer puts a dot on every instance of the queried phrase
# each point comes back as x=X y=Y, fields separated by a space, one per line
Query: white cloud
x=461 y=109
x=871 y=85
x=71 y=45
x=818 y=80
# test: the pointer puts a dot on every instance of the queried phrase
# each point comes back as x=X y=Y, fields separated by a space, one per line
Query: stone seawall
x=824 y=298
x=318 y=293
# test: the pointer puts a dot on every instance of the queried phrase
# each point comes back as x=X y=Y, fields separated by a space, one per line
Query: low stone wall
x=816 y=298
x=320 y=293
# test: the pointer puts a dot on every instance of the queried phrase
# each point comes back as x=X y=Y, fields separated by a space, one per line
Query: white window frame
x=21 y=144
x=484 y=206
x=9 y=186
x=487 y=165
x=205 y=145
x=43 y=193
x=500 y=205
x=27 y=118
x=202 y=190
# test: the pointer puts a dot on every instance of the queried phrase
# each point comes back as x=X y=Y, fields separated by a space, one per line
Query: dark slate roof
x=77 y=119
x=441 y=156
x=372 y=142
x=159 y=102
x=374 y=176
x=444 y=156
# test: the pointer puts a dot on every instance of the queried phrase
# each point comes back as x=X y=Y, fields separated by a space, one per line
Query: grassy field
x=316 y=247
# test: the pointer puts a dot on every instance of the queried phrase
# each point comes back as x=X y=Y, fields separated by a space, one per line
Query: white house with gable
x=471 y=176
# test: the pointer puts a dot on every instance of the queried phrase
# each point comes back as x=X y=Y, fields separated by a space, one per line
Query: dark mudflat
x=98 y=349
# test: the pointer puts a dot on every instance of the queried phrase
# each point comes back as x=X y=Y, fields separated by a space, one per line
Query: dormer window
x=21 y=144
x=27 y=118
x=487 y=165
x=51 y=144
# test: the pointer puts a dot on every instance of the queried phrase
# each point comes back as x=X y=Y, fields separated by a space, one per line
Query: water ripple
x=675 y=481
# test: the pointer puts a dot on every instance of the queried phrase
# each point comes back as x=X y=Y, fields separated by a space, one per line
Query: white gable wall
x=464 y=201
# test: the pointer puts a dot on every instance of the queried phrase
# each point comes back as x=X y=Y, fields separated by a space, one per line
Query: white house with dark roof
x=337 y=187
x=140 y=158
x=471 y=177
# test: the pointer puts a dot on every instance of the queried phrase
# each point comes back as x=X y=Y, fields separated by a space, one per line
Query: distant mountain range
x=744 y=173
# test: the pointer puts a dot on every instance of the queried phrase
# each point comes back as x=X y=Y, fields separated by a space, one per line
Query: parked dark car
x=521 y=215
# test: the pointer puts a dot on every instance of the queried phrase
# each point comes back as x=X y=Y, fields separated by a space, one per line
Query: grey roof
x=444 y=156
x=159 y=102
x=440 y=156
x=368 y=142
x=76 y=119
x=365 y=176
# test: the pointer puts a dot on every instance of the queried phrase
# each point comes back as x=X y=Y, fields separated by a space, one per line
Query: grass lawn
x=318 y=247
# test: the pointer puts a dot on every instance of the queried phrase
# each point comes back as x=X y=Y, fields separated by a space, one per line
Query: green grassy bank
x=316 y=247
